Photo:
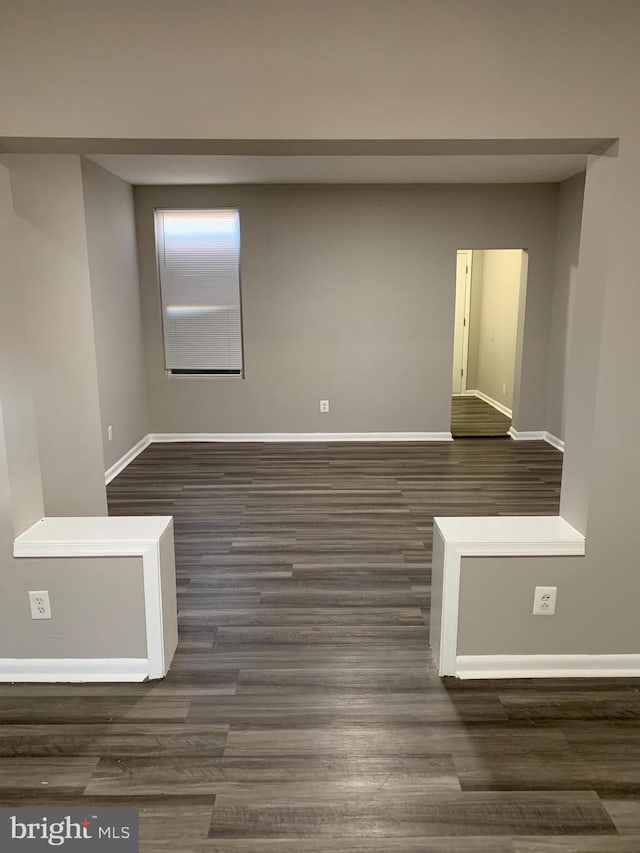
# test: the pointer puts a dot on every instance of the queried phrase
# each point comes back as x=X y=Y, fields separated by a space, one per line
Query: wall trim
x=73 y=669
x=554 y=441
x=548 y=666
x=260 y=437
x=119 y=466
x=538 y=435
x=527 y=435
x=474 y=392
x=163 y=437
x=170 y=437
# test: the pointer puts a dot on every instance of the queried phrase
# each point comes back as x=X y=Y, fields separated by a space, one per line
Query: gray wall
x=22 y=485
x=115 y=629
x=42 y=259
x=597 y=594
x=348 y=294
x=115 y=295
x=357 y=70
x=582 y=387
x=565 y=276
x=531 y=71
x=512 y=629
x=50 y=247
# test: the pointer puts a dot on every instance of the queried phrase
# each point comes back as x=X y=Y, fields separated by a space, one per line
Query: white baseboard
x=554 y=441
x=298 y=436
x=487 y=399
x=119 y=466
x=527 y=435
x=73 y=669
x=548 y=666
x=538 y=435
x=263 y=437
x=259 y=437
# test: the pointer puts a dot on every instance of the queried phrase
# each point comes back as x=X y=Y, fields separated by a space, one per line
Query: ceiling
x=242 y=169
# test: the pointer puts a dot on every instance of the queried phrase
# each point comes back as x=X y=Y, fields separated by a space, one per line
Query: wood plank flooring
x=472 y=417
x=303 y=712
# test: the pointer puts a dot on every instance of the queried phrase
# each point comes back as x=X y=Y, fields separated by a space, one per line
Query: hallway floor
x=303 y=712
x=472 y=417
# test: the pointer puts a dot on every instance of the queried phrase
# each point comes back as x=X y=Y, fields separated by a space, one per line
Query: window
x=199 y=268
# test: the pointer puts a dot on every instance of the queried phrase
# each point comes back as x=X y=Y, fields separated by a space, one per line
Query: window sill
x=205 y=376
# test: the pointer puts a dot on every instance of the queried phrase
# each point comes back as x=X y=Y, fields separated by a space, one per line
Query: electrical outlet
x=40 y=605
x=110 y=433
x=504 y=390
x=544 y=600
x=324 y=405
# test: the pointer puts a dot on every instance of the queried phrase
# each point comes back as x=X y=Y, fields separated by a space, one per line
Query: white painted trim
x=125 y=460
x=528 y=536
x=538 y=435
x=461 y=323
x=487 y=399
x=89 y=536
x=467 y=314
x=154 y=617
x=135 y=536
x=298 y=436
x=73 y=669
x=554 y=441
x=548 y=666
x=263 y=437
x=530 y=435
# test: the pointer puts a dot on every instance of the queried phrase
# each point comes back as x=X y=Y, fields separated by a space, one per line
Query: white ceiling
x=431 y=169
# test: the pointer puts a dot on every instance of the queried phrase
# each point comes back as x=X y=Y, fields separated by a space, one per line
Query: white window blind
x=199 y=265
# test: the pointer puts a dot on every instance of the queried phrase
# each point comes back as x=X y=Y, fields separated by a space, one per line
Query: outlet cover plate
x=544 y=600
x=40 y=604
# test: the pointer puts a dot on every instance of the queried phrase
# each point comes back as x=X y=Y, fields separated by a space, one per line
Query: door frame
x=465 y=319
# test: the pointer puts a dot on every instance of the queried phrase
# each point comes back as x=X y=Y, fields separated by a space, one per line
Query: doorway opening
x=489 y=286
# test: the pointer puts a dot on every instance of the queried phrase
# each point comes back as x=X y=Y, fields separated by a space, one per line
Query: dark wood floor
x=303 y=712
x=472 y=417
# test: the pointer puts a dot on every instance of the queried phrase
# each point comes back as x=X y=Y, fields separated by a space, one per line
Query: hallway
x=472 y=417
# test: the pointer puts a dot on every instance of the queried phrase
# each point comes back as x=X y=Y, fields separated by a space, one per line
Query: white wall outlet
x=504 y=390
x=110 y=433
x=324 y=405
x=40 y=605
x=544 y=600
x=492 y=336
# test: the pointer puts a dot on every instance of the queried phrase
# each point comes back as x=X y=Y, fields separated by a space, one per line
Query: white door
x=461 y=330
